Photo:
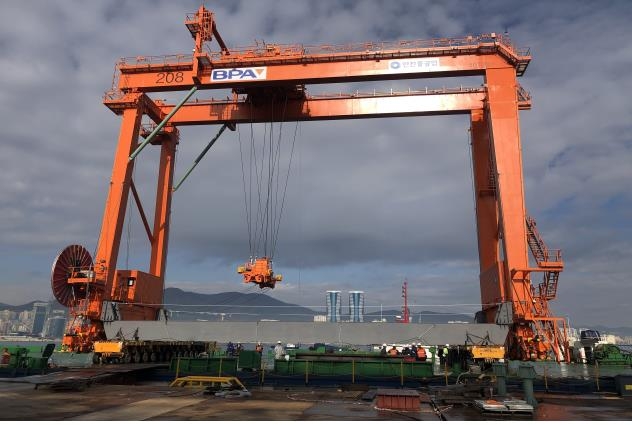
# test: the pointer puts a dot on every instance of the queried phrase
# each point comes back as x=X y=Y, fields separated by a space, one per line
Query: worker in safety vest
x=393 y=351
x=421 y=354
x=6 y=356
x=259 y=348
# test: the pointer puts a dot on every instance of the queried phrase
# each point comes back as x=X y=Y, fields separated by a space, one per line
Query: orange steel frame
x=283 y=71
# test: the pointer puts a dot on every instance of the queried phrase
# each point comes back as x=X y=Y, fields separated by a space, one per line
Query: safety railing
x=553 y=255
x=82 y=273
x=298 y=51
x=167 y=60
x=409 y=92
x=523 y=95
x=267 y=50
x=113 y=95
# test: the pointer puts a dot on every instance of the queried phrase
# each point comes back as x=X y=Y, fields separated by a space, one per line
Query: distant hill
x=242 y=307
x=233 y=306
x=237 y=306
x=29 y=306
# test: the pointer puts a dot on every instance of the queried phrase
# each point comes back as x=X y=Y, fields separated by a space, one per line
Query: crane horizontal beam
x=173 y=76
x=328 y=108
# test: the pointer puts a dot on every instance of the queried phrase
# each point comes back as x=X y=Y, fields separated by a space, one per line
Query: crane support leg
x=502 y=110
x=116 y=203
x=491 y=277
x=502 y=113
x=162 y=214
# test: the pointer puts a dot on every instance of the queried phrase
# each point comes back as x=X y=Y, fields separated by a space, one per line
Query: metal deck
x=81 y=378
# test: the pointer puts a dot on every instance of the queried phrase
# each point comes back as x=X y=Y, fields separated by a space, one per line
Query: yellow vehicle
x=487 y=353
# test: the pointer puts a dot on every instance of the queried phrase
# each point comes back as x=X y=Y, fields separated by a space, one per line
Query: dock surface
x=19 y=400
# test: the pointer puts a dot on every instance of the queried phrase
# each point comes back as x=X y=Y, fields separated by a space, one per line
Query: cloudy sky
x=369 y=203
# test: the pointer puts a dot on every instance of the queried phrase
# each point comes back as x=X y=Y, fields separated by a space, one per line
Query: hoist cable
x=277 y=167
x=252 y=146
x=265 y=177
x=269 y=178
x=243 y=179
x=253 y=160
x=279 y=213
x=260 y=209
x=287 y=176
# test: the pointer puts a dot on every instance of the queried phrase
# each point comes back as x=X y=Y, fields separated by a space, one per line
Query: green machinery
x=323 y=362
x=28 y=358
x=216 y=364
x=612 y=355
x=319 y=362
x=354 y=366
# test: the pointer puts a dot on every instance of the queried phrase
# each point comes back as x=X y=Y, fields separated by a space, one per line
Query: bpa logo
x=239 y=74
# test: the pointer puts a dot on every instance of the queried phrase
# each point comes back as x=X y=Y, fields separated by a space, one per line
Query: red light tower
x=405 y=312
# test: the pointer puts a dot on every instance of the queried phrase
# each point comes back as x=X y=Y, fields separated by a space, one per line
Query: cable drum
x=72 y=258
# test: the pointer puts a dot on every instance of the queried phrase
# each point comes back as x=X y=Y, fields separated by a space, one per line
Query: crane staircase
x=550 y=263
x=549 y=260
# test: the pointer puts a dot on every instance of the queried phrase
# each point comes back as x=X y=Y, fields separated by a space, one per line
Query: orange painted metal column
x=116 y=203
x=163 y=203
x=491 y=277
x=502 y=110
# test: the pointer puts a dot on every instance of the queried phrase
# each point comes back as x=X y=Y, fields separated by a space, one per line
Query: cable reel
x=71 y=272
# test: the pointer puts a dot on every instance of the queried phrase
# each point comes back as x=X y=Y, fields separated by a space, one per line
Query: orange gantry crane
x=264 y=77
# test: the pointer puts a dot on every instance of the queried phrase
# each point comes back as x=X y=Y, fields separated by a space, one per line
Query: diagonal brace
x=162 y=123
x=141 y=211
x=200 y=156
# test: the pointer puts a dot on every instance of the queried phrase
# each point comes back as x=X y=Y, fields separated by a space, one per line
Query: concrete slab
x=306 y=333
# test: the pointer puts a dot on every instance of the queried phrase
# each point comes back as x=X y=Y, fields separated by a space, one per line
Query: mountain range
x=242 y=307
x=237 y=306
x=29 y=306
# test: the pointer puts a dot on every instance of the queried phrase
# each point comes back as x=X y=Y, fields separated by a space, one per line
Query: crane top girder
x=280 y=54
x=293 y=66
